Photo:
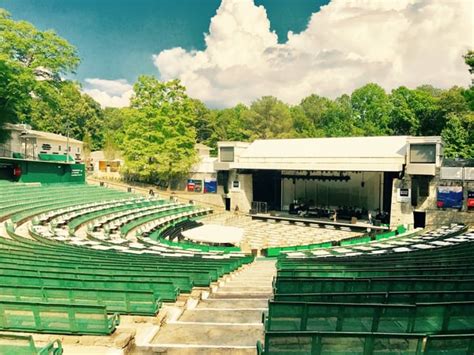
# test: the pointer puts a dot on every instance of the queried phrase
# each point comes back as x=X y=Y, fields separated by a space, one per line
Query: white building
x=105 y=168
x=26 y=143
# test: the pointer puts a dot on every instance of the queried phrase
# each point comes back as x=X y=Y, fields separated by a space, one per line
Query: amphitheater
x=90 y=270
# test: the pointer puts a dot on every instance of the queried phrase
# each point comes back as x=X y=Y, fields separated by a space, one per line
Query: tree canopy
x=159 y=136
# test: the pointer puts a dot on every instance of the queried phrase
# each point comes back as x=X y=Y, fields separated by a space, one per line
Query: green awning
x=55 y=157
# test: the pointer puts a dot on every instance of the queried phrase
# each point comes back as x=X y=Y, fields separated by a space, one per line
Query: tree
x=111 y=151
x=267 y=118
x=315 y=107
x=302 y=125
x=458 y=136
x=371 y=109
x=31 y=61
x=16 y=84
x=159 y=137
x=404 y=116
x=469 y=60
x=64 y=105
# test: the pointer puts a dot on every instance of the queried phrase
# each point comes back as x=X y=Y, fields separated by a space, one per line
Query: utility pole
x=67 y=141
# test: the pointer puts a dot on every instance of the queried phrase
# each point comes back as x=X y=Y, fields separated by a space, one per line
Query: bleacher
x=403 y=295
x=74 y=258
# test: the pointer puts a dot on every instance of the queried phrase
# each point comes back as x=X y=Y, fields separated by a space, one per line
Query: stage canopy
x=215 y=234
x=331 y=154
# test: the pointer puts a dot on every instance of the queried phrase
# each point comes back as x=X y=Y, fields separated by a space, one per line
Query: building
x=102 y=167
x=26 y=143
x=395 y=178
x=203 y=176
x=37 y=156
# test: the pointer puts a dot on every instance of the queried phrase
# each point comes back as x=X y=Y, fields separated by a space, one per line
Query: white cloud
x=345 y=45
x=109 y=93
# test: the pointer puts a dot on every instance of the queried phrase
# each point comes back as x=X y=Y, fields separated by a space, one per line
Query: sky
x=231 y=51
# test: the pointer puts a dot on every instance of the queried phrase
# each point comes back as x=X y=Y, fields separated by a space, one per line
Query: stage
x=322 y=223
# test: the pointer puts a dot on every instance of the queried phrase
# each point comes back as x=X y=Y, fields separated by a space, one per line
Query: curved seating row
x=62 y=280
x=414 y=297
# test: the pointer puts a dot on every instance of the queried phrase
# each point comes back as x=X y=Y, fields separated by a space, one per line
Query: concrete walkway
x=228 y=321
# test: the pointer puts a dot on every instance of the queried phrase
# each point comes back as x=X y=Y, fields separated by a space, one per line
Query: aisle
x=229 y=321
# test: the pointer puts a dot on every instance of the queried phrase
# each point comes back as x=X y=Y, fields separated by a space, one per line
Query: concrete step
x=230 y=315
x=245 y=289
x=210 y=334
x=249 y=279
x=185 y=349
x=227 y=294
x=233 y=303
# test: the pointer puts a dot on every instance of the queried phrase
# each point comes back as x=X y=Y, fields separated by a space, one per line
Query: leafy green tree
x=111 y=150
x=16 y=84
x=404 y=120
x=469 y=60
x=302 y=124
x=159 y=138
x=31 y=63
x=315 y=107
x=371 y=109
x=267 y=118
x=67 y=111
x=458 y=136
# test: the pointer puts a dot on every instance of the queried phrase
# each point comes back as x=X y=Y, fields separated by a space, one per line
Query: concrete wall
x=402 y=213
x=442 y=217
x=243 y=195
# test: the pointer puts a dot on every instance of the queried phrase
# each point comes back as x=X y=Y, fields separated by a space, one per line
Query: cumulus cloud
x=109 y=93
x=347 y=44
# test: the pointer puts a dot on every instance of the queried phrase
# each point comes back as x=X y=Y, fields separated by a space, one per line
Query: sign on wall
x=194 y=185
x=210 y=186
x=403 y=195
x=449 y=197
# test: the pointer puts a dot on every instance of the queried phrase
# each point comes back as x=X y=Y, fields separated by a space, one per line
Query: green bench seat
x=24 y=345
x=403 y=297
x=163 y=290
x=117 y=301
x=376 y=272
x=331 y=285
x=348 y=343
x=430 y=318
x=56 y=318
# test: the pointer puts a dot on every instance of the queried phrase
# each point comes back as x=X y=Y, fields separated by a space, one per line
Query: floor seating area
x=262 y=235
x=405 y=295
x=71 y=261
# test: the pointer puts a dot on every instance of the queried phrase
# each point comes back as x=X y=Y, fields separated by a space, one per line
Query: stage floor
x=279 y=216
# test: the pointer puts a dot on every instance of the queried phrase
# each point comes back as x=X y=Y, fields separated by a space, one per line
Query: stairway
x=229 y=321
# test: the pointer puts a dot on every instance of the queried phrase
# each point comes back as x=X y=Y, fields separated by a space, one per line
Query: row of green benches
x=355 y=343
x=415 y=302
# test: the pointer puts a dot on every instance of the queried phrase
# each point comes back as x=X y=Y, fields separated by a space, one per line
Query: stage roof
x=340 y=154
